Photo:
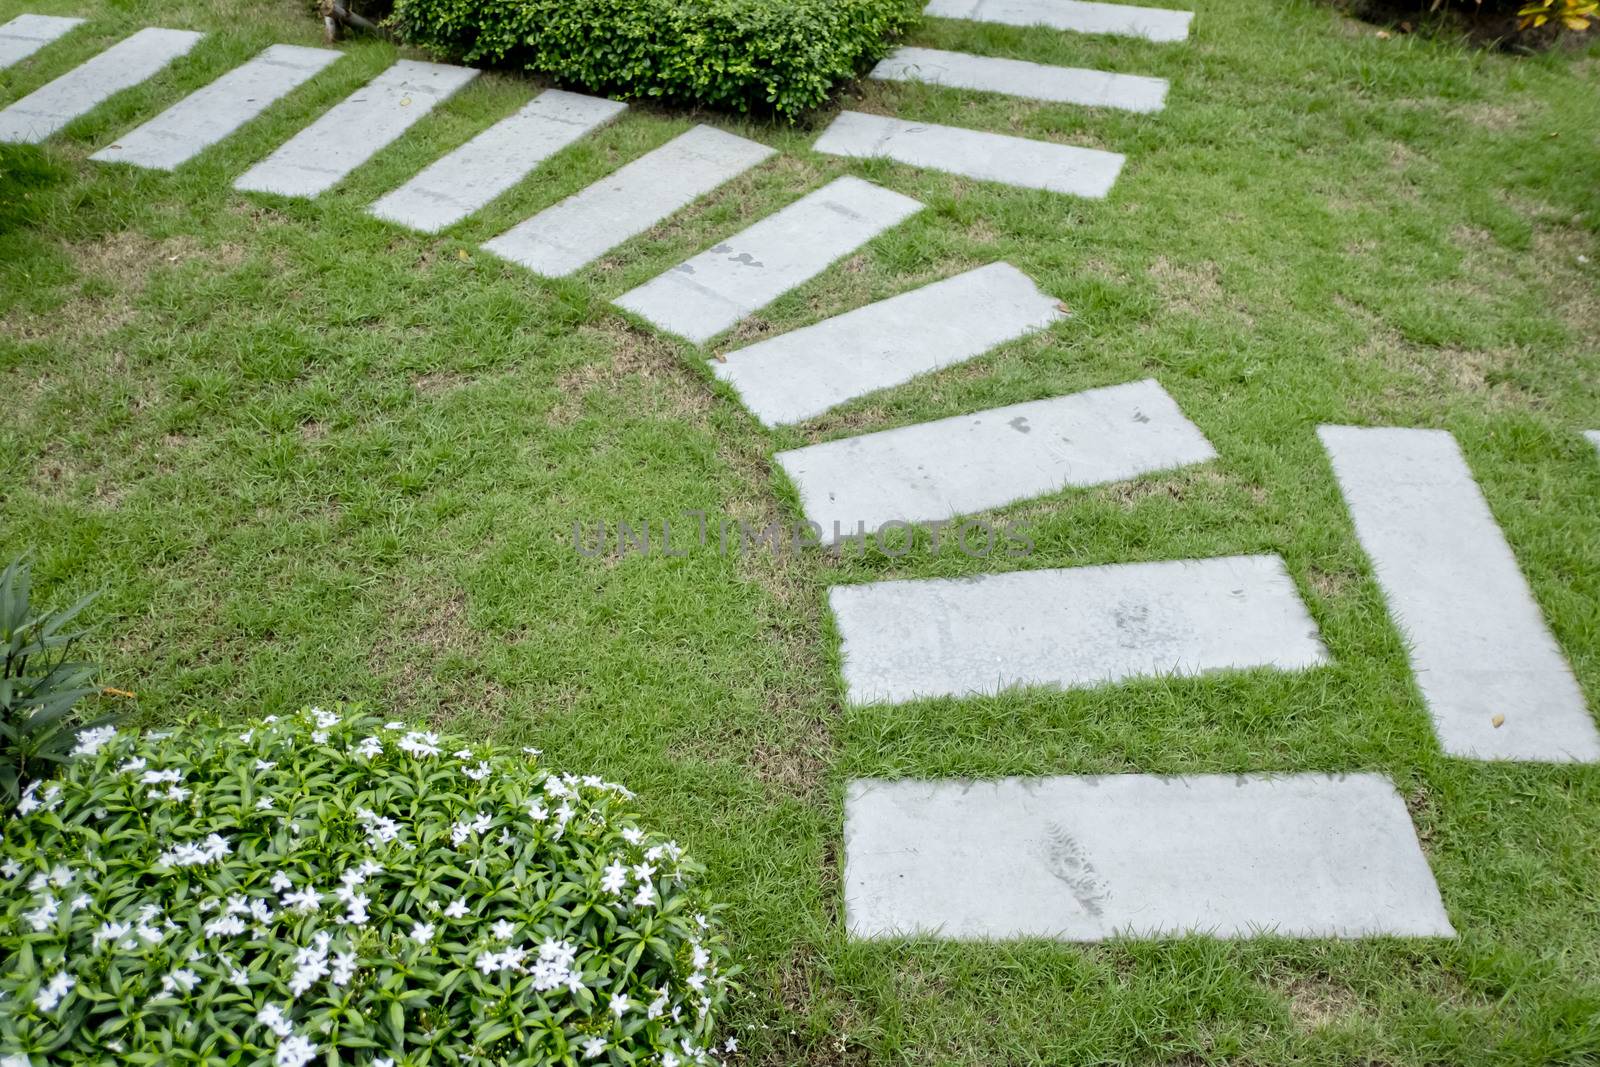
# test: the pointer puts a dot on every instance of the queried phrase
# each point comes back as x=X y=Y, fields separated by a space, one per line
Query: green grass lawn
x=311 y=457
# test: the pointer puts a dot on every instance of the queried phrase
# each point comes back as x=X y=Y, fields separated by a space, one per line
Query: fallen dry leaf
x=1499 y=721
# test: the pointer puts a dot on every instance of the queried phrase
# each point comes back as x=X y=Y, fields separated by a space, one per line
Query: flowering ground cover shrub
x=777 y=55
x=324 y=888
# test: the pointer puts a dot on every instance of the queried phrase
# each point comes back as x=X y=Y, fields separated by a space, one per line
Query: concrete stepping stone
x=705 y=295
x=1089 y=858
x=1593 y=436
x=26 y=34
x=1032 y=81
x=990 y=157
x=79 y=91
x=1151 y=23
x=495 y=160
x=1073 y=628
x=207 y=115
x=938 y=470
x=355 y=129
x=801 y=374
x=585 y=226
x=1493 y=677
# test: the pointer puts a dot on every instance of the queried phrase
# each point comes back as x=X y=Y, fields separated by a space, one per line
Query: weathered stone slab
x=800 y=374
x=990 y=157
x=1085 y=859
x=1151 y=23
x=1593 y=436
x=495 y=160
x=1493 y=677
x=84 y=88
x=583 y=227
x=1071 y=628
x=957 y=466
x=355 y=129
x=26 y=34
x=207 y=115
x=703 y=296
x=1014 y=77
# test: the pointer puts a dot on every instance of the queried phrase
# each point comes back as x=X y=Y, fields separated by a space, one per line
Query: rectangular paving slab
x=990 y=157
x=26 y=34
x=495 y=160
x=1089 y=858
x=1151 y=23
x=1071 y=628
x=88 y=85
x=355 y=129
x=801 y=374
x=1493 y=677
x=705 y=295
x=1014 y=77
x=207 y=115
x=585 y=226
x=938 y=470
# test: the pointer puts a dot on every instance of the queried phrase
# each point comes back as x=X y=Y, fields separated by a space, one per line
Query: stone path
x=1492 y=675
x=79 y=91
x=1033 y=81
x=990 y=157
x=588 y=224
x=904 y=640
x=1151 y=23
x=207 y=115
x=1083 y=859
x=495 y=160
x=939 y=470
x=796 y=375
x=1593 y=436
x=700 y=298
x=355 y=129
x=26 y=34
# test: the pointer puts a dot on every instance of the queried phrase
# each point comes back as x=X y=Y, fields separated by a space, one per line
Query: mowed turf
x=311 y=456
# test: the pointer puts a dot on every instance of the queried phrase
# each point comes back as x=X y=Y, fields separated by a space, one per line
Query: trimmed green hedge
x=781 y=56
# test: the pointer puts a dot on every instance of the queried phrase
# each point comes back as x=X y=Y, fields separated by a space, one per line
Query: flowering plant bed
x=328 y=888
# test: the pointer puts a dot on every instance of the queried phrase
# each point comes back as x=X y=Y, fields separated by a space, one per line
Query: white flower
x=632 y=835
x=465 y=753
x=295 y=1051
x=456 y=909
x=530 y=750
x=593 y=1047
x=44 y=916
x=10 y=868
x=422 y=933
x=394 y=726
x=325 y=719
x=669 y=1060
x=158 y=777
x=16 y=1059
x=307 y=899
x=109 y=932
x=344 y=968
x=192 y=854
x=732 y=1045
x=280 y=882
x=59 y=986
x=619 y=1005
x=537 y=811
x=132 y=766
x=369 y=748
x=225 y=926
x=92 y=741
x=702 y=958
x=264 y=804
x=264 y=765
x=271 y=1016
x=182 y=978
x=239 y=977
x=319 y=737
x=246 y=737
x=420 y=743
x=502 y=930
x=614 y=878
x=646 y=895
x=310 y=963
x=478 y=773
x=657 y=1006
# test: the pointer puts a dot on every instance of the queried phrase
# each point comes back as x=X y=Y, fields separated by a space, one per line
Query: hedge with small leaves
x=328 y=888
x=780 y=56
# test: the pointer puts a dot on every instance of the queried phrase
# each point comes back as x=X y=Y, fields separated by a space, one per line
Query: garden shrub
x=777 y=55
x=325 y=889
